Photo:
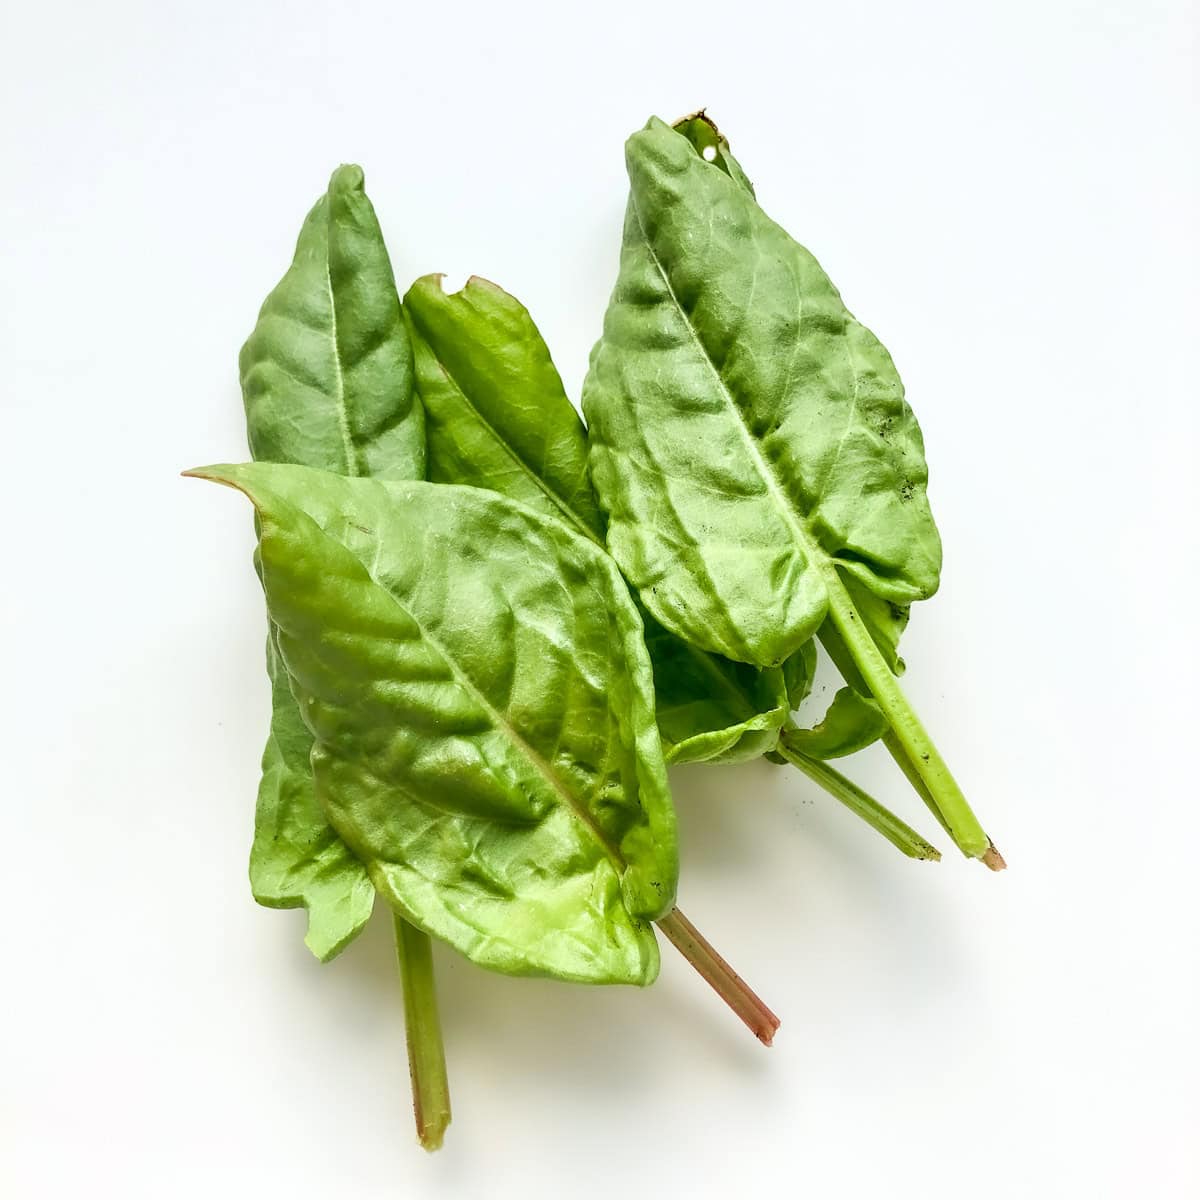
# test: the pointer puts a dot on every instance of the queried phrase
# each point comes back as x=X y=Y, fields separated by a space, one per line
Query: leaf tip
x=227 y=475
x=217 y=473
x=482 y=283
x=348 y=177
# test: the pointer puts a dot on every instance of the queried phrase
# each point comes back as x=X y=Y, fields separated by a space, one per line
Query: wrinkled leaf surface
x=748 y=435
x=481 y=699
x=327 y=372
x=498 y=417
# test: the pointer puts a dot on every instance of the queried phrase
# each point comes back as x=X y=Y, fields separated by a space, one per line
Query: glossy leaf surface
x=480 y=695
x=748 y=436
x=498 y=417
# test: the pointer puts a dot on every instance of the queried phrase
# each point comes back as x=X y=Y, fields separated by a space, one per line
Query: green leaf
x=496 y=413
x=480 y=695
x=708 y=708
x=753 y=451
x=497 y=417
x=799 y=672
x=851 y=724
x=750 y=441
x=327 y=382
x=297 y=858
x=327 y=372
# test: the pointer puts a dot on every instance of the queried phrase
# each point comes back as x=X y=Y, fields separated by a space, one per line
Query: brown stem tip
x=720 y=976
x=993 y=859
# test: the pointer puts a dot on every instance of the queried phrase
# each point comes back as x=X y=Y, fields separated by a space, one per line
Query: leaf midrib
x=775 y=489
x=353 y=465
x=508 y=449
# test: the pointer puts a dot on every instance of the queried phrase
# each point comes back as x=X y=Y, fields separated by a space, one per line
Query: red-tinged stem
x=725 y=981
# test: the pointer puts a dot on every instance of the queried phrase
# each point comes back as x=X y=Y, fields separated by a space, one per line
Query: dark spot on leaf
x=906 y=490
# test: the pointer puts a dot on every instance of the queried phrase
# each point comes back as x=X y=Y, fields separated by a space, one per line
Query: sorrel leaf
x=327 y=372
x=327 y=382
x=751 y=445
x=496 y=412
x=749 y=437
x=481 y=698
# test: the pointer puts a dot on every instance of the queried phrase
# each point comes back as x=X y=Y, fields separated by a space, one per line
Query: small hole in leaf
x=708 y=153
x=452 y=284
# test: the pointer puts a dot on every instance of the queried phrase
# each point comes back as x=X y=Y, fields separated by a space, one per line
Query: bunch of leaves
x=490 y=629
x=498 y=417
x=462 y=700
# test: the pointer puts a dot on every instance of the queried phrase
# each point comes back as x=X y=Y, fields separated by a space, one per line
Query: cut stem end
x=723 y=979
x=993 y=859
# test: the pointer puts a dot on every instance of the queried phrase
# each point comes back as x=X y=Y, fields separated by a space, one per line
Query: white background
x=1007 y=194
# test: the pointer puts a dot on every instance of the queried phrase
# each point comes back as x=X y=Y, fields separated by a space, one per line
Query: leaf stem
x=906 y=839
x=842 y=659
x=910 y=734
x=423 y=1029
x=896 y=750
x=725 y=981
